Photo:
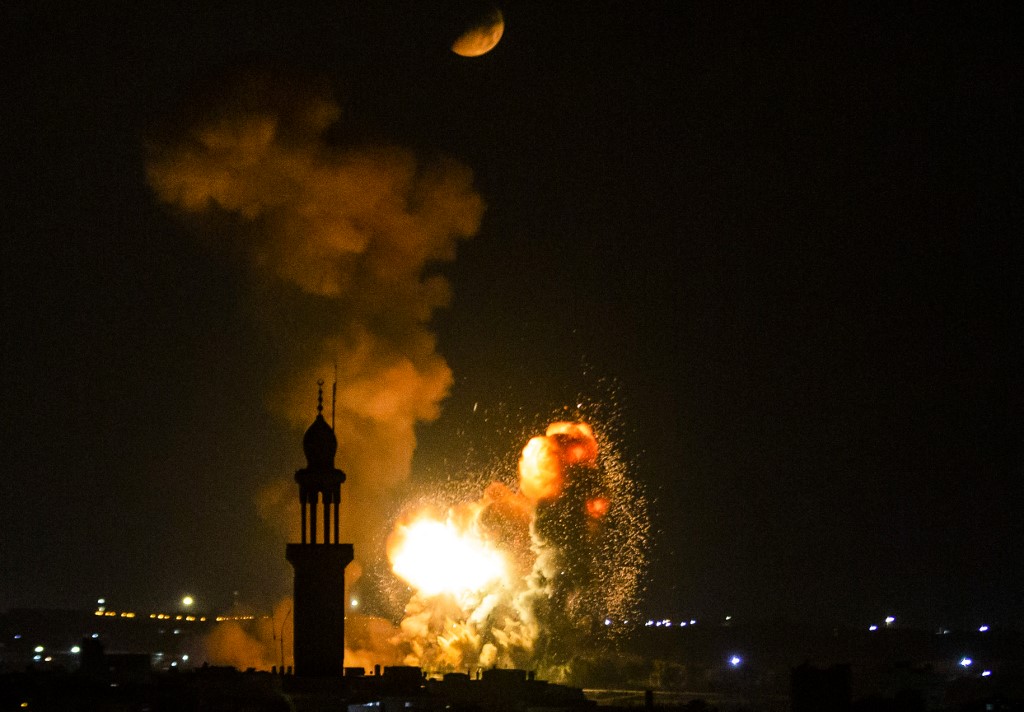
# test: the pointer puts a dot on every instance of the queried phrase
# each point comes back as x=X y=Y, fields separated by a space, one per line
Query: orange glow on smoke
x=579 y=446
x=597 y=507
x=545 y=457
x=540 y=469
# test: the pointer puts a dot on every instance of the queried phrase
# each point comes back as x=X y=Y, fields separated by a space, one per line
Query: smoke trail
x=342 y=239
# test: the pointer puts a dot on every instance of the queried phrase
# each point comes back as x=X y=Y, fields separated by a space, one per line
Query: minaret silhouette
x=319 y=608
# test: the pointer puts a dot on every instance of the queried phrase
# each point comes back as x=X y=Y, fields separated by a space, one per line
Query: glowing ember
x=597 y=507
x=440 y=557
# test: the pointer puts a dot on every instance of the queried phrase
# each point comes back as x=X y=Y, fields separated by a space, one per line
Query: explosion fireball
x=341 y=243
x=523 y=577
x=467 y=563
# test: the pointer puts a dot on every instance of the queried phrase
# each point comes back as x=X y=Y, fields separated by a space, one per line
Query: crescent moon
x=481 y=37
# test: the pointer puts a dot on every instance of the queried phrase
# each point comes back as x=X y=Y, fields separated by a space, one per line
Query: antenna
x=334 y=393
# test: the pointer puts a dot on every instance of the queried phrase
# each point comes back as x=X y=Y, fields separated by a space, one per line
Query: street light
x=187 y=601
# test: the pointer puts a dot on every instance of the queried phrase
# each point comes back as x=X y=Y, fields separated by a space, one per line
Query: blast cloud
x=342 y=239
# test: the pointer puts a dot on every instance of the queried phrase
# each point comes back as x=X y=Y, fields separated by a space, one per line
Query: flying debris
x=523 y=576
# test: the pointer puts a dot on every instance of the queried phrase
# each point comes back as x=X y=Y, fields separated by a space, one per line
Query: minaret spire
x=319 y=609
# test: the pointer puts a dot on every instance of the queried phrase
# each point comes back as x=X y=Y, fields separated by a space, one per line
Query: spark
x=519 y=576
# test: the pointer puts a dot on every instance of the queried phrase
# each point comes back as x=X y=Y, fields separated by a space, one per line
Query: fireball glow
x=516 y=577
x=437 y=557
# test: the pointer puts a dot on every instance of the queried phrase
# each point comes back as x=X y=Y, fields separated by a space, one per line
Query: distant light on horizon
x=40 y=648
x=965 y=662
x=75 y=649
x=873 y=627
x=735 y=660
x=187 y=601
x=889 y=620
x=983 y=629
x=986 y=673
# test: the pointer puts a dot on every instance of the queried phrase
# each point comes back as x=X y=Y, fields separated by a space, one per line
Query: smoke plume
x=342 y=240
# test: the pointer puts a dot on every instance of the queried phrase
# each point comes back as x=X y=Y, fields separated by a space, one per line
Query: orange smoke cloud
x=262 y=643
x=343 y=241
x=370 y=641
x=266 y=642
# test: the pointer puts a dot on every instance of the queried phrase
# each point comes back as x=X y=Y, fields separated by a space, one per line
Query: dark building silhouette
x=319 y=563
x=815 y=690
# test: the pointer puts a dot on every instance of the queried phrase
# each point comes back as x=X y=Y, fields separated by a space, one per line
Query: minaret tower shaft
x=319 y=607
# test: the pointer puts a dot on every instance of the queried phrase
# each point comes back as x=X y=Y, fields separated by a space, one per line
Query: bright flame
x=579 y=446
x=517 y=578
x=540 y=469
x=437 y=556
x=545 y=457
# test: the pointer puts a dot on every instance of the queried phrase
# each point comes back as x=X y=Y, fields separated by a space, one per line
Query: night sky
x=779 y=245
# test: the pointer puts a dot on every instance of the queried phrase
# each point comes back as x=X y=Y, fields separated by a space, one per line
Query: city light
x=355 y=603
x=735 y=660
x=607 y=621
x=40 y=648
x=873 y=627
x=75 y=649
x=986 y=673
x=889 y=620
x=187 y=601
x=965 y=662
x=983 y=629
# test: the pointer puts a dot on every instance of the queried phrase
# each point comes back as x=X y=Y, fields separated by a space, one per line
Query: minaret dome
x=319 y=443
